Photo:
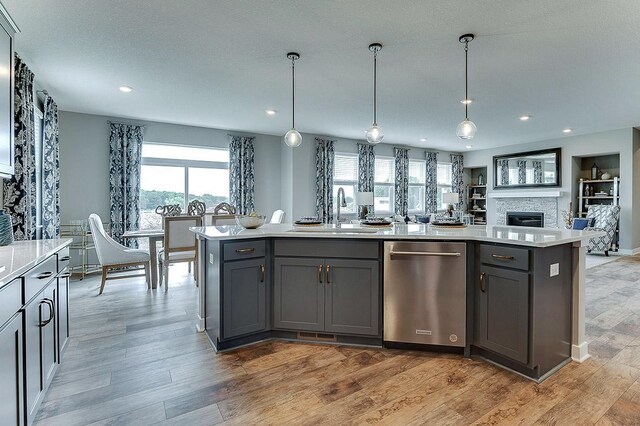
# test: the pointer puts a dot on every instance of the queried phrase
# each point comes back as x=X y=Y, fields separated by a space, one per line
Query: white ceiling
x=569 y=63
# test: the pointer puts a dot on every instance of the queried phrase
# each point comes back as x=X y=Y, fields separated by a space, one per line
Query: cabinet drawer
x=516 y=258
x=244 y=249
x=10 y=300
x=63 y=259
x=318 y=247
x=38 y=277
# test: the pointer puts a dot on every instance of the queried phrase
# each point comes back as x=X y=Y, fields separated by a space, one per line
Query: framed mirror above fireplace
x=533 y=169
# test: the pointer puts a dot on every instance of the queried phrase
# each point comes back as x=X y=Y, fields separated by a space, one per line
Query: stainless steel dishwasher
x=425 y=293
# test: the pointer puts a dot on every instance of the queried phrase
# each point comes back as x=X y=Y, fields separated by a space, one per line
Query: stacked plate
x=376 y=221
x=308 y=220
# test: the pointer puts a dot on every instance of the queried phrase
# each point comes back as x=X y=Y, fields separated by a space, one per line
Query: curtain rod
x=127 y=124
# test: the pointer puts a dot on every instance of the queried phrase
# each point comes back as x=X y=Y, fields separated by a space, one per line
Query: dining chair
x=113 y=255
x=212 y=219
x=180 y=245
x=277 y=216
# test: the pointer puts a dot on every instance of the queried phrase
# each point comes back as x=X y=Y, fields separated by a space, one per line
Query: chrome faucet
x=340 y=204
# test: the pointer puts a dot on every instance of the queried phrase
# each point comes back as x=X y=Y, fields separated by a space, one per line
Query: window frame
x=391 y=185
x=446 y=186
x=345 y=183
x=184 y=164
x=422 y=186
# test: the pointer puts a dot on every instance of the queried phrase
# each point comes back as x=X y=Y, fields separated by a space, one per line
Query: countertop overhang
x=516 y=235
x=20 y=256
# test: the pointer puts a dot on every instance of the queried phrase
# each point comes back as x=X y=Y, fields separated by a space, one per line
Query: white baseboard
x=200 y=324
x=628 y=252
x=580 y=353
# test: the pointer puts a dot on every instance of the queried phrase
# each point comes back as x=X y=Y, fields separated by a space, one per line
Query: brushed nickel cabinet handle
x=261 y=273
x=45 y=323
x=483 y=287
x=320 y=274
x=65 y=275
x=44 y=275
x=328 y=273
x=64 y=258
x=245 y=250
x=502 y=257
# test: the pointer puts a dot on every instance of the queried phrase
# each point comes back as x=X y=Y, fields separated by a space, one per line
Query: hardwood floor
x=135 y=358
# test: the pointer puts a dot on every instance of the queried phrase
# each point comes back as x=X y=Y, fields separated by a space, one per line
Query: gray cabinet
x=333 y=295
x=62 y=312
x=503 y=312
x=11 y=372
x=298 y=299
x=244 y=297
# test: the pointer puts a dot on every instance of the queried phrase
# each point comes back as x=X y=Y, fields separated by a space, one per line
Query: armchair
x=606 y=220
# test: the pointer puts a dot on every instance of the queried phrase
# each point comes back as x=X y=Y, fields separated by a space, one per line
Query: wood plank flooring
x=135 y=358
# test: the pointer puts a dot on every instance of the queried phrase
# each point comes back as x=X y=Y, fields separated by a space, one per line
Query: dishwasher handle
x=424 y=253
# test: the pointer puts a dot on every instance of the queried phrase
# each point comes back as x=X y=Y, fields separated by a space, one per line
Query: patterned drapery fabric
x=366 y=169
x=402 y=181
x=50 y=171
x=457 y=179
x=20 y=189
x=503 y=166
x=325 y=158
x=606 y=219
x=522 y=172
x=125 y=150
x=241 y=175
x=537 y=171
x=431 y=195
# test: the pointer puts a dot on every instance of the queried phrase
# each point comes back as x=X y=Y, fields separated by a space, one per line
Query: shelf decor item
x=594 y=172
x=365 y=199
x=6 y=229
x=605 y=176
x=480 y=179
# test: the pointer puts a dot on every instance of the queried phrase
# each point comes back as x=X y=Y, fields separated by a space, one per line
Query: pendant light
x=293 y=138
x=374 y=134
x=466 y=130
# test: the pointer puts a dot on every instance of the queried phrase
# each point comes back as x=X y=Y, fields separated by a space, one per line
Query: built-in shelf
x=599 y=181
x=477 y=186
x=478 y=211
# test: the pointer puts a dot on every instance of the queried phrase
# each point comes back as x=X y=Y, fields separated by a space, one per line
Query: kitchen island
x=522 y=289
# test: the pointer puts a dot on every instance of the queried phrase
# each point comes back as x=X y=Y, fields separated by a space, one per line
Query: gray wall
x=626 y=142
x=84 y=161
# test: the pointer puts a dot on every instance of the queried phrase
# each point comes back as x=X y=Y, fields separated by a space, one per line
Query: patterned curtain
x=503 y=166
x=537 y=171
x=50 y=171
x=457 y=179
x=324 y=179
x=241 y=176
x=366 y=169
x=402 y=181
x=20 y=189
x=522 y=172
x=431 y=195
x=125 y=149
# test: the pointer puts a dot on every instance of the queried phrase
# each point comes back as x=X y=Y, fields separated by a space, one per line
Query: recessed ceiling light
x=525 y=117
x=466 y=101
x=126 y=89
x=568 y=130
x=270 y=111
x=423 y=139
x=469 y=146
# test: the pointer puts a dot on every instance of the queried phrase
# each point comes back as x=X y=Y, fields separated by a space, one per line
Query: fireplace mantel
x=525 y=194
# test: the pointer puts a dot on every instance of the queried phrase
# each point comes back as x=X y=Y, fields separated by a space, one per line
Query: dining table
x=153 y=235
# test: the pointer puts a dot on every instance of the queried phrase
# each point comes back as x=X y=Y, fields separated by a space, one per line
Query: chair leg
x=166 y=276
x=104 y=278
x=195 y=271
x=189 y=267
x=147 y=274
x=606 y=253
x=160 y=271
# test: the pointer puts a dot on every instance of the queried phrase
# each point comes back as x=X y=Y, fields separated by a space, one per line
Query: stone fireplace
x=547 y=206
x=531 y=219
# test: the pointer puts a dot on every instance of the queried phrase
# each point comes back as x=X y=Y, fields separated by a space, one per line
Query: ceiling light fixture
x=525 y=117
x=423 y=139
x=270 y=111
x=126 y=89
x=568 y=130
x=293 y=138
x=375 y=134
x=469 y=146
x=466 y=101
x=467 y=129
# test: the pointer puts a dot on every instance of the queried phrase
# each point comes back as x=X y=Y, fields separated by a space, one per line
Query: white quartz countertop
x=524 y=236
x=20 y=256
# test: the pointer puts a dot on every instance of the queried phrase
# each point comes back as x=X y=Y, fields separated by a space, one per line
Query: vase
x=6 y=230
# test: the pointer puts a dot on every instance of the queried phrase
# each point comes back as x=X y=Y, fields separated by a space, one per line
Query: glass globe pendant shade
x=374 y=134
x=293 y=138
x=466 y=130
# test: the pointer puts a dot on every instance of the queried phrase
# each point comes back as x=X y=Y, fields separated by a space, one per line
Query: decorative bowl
x=423 y=219
x=250 y=222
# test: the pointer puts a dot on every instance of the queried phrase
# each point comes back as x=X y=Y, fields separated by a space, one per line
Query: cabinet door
x=244 y=297
x=352 y=296
x=503 y=312
x=62 y=313
x=48 y=339
x=298 y=299
x=36 y=314
x=11 y=378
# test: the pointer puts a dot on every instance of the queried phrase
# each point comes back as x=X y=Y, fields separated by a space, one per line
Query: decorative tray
x=376 y=223
x=440 y=224
x=307 y=223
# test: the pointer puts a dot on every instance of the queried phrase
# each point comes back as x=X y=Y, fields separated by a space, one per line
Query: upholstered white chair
x=112 y=255
x=180 y=245
x=277 y=216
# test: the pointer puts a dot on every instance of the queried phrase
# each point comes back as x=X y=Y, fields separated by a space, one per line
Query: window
x=383 y=186
x=417 y=185
x=178 y=174
x=345 y=175
x=444 y=182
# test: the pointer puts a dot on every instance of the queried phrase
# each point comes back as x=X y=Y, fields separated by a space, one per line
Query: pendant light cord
x=375 y=88
x=466 y=80
x=293 y=93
